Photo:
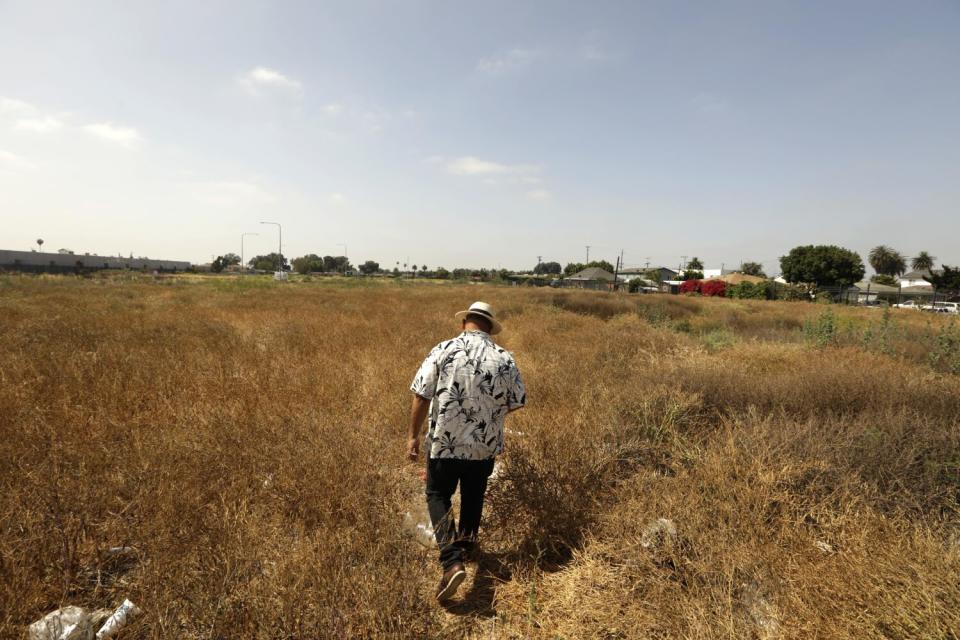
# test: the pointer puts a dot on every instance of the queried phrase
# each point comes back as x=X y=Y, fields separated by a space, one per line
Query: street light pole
x=243 y=264
x=280 y=254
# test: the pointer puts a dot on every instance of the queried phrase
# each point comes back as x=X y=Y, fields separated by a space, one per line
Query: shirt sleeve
x=425 y=382
x=516 y=393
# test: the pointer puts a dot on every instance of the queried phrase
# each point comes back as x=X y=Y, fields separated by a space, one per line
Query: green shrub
x=754 y=291
x=945 y=354
x=822 y=331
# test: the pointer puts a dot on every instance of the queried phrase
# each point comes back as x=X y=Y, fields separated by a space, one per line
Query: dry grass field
x=247 y=439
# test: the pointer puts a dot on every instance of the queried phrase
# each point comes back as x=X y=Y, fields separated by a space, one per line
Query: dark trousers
x=443 y=475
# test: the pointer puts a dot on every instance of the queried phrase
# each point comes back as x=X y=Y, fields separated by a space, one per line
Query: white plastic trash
x=68 y=623
x=657 y=533
x=124 y=613
x=420 y=529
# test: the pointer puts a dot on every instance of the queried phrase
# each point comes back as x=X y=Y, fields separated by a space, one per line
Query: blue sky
x=481 y=134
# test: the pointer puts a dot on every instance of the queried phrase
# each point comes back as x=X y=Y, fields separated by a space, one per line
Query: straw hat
x=483 y=310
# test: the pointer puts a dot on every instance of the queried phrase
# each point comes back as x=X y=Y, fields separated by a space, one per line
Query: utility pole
x=616 y=271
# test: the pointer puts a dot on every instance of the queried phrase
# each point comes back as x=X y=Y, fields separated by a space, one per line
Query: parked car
x=944 y=307
x=910 y=304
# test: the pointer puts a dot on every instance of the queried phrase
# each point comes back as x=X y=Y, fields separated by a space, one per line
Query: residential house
x=591 y=278
x=915 y=279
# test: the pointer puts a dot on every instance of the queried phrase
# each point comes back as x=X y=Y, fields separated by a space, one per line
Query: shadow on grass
x=491 y=571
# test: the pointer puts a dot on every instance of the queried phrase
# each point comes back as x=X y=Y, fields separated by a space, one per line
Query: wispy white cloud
x=43 y=124
x=267 y=78
x=507 y=61
x=16 y=107
x=472 y=166
x=232 y=193
x=10 y=161
x=515 y=176
x=126 y=136
x=595 y=48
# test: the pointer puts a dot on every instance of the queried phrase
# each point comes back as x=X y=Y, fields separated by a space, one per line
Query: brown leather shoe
x=450 y=581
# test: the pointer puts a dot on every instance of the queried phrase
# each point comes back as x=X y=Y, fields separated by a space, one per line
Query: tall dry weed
x=246 y=439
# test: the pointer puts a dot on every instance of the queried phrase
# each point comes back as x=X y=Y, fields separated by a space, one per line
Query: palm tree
x=923 y=262
x=695 y=264
x=887 y=261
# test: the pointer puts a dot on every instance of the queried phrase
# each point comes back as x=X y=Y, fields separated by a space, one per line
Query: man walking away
x=468 y=385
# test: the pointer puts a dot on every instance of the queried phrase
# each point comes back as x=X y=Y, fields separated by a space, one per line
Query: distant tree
x=822 y=265
x=336 y=264
x=442 y=273
x=396 y=271
x=694 y=264
x=369 y=267
x=689 y=274
x=887 y=261
x=270 y=262
x=548 y=268
x=414 y=269
x=882 y=278
x=922 y=262
x=946 y=281
x=573 y=267
x=752 y=269
x=308 y=263
x=461 y=274
x=224 y=261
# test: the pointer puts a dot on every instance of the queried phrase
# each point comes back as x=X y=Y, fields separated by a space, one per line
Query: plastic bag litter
x=76 y=623
x=124 y=613
x=657 y=533
x=68 y=623
x=419 y=527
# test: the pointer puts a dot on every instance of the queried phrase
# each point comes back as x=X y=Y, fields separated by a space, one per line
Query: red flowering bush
x=713 y=288
x=690 y=286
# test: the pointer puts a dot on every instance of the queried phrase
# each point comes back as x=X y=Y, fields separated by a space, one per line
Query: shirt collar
x=475 y=332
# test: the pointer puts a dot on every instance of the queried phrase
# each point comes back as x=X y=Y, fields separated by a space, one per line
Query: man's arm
x=418 y=411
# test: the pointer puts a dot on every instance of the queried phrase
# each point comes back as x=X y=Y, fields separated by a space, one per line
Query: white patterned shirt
x=472 y=384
